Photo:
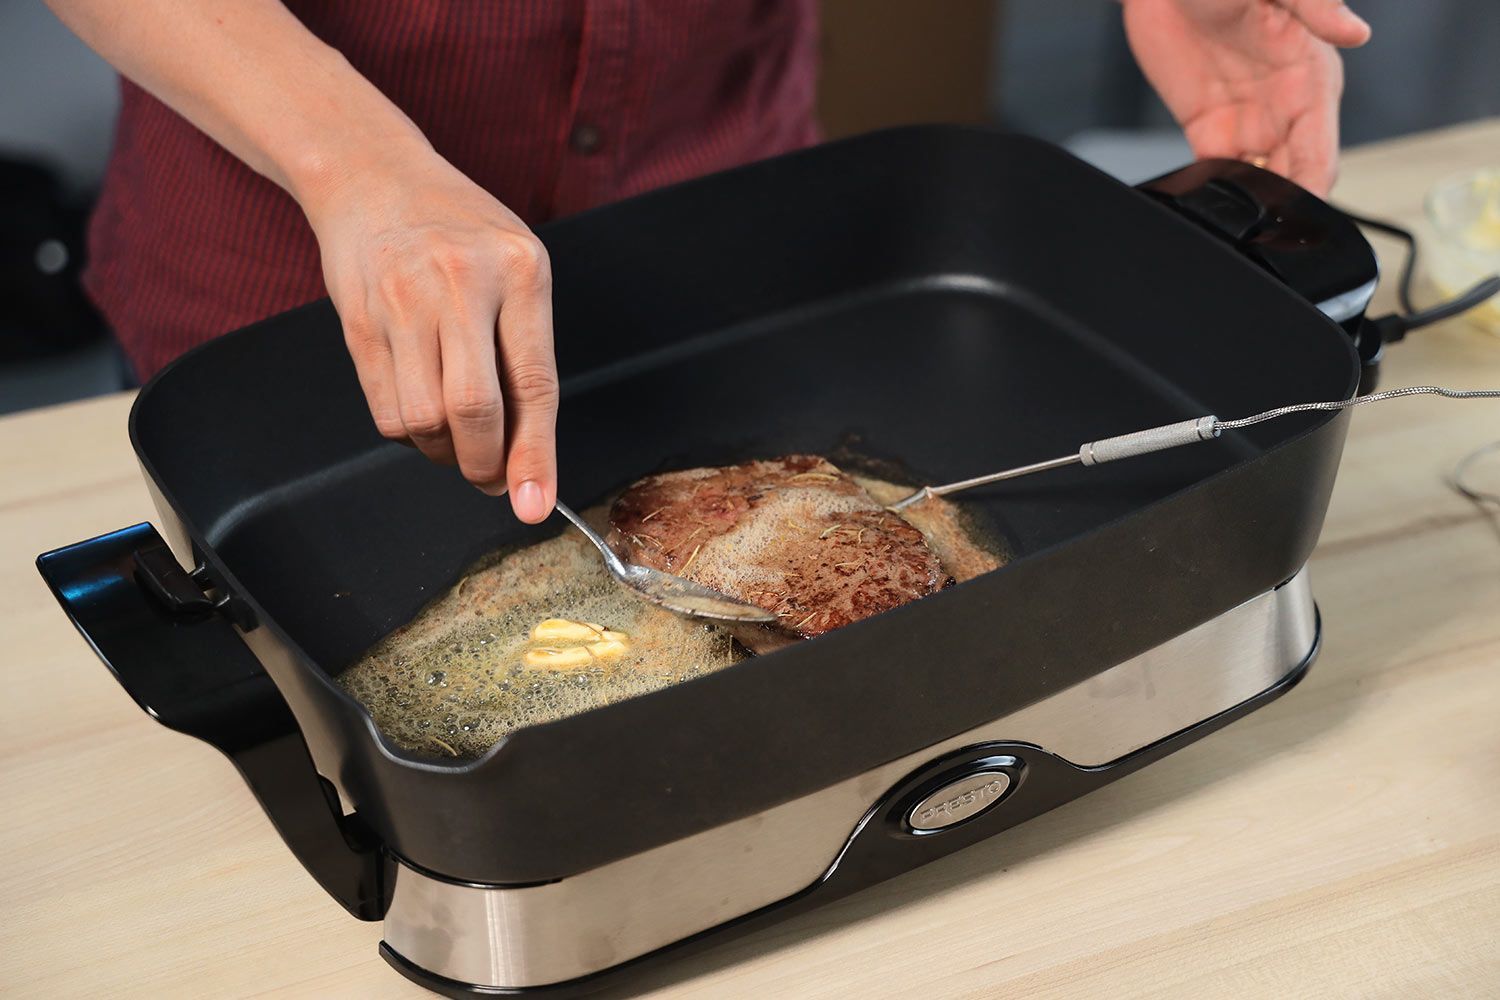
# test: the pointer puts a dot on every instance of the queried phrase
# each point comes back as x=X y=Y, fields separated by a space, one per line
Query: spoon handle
x=613 y=561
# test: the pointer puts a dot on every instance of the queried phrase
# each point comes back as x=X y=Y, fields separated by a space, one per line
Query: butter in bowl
x=1464 y=211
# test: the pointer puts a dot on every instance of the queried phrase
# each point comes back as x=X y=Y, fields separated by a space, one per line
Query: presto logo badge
x=959 y=800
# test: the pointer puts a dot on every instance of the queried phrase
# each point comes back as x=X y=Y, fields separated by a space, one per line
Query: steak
x=793 y=535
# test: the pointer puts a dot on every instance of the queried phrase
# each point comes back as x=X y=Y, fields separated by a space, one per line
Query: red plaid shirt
x=551 y=105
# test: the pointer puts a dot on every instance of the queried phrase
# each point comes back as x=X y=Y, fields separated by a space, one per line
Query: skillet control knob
x=959 y=800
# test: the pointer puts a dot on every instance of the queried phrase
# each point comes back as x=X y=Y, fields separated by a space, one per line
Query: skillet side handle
x=191 y=672
x=1306 y=243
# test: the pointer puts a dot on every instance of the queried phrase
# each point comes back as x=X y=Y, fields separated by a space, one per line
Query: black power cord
x=1461 y=303
x=1393 y=328
x=1408 y=263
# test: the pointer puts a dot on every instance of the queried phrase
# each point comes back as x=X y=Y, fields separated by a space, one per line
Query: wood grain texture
x=1343 y=841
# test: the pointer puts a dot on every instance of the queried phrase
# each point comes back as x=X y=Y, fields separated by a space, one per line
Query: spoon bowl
x=677 y=594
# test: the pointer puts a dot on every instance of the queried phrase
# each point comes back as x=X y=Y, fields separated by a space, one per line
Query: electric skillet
x=948 y=299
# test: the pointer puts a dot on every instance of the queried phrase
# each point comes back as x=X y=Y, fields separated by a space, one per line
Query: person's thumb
x=1330 y=20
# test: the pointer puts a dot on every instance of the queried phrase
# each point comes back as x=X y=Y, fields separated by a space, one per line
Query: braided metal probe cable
x=1343 y=404
x=1206 y=428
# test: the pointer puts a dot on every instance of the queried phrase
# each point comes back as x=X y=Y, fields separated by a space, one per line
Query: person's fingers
x=471 y=396
x=1213 y=135
x=373 y=365
x=1235 y=132
x=529 y=376
x=419 y=389
x=1304 y=150
x=1279 y=162
x=1312 y=137
x=1312 y=153
x=1330 y=20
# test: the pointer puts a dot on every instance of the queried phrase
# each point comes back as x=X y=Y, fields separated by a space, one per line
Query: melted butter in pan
x=454 y=681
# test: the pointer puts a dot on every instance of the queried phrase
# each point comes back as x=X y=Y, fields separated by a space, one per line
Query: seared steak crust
x=794 y=535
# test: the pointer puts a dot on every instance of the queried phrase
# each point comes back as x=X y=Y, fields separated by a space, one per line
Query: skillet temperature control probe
x=1183 y=432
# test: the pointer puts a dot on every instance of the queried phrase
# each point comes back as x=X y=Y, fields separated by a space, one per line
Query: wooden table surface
x=1343 y=841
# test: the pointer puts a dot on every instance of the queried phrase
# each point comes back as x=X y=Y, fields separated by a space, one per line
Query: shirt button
x=585 y=139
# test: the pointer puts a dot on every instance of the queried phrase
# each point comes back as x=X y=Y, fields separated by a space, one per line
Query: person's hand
x=1254 y=80
x=444 y=294
x=446 y=302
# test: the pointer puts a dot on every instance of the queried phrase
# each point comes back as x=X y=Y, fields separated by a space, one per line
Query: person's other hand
x=1254 y=80
x=446 y=302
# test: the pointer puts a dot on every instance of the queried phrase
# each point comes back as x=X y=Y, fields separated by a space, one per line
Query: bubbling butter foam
x=454 y=681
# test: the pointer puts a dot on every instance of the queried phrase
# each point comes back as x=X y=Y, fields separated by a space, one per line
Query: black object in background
x=43 y=310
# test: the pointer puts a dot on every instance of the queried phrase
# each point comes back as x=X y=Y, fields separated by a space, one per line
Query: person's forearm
x=252 y=77
x=444 y=294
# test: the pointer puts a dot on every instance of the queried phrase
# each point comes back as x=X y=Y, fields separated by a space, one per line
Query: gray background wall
x=59 y=98
x=1063 y=72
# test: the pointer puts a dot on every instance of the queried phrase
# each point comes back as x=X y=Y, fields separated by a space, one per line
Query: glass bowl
x=1464 y=211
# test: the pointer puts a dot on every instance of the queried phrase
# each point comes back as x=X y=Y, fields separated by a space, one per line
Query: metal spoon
x=665 y=590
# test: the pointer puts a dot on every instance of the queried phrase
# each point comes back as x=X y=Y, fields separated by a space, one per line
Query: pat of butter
x=569 y=645
x=564 y=630
x=606 y=649
x=554 y=658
